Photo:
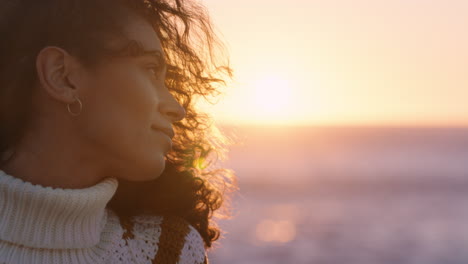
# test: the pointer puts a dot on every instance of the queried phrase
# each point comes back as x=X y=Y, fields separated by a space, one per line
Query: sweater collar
x=45 y=217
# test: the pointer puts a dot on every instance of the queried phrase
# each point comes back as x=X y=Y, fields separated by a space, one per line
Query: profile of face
x=125 y=109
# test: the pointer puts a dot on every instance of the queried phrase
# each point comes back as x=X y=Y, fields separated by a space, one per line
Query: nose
x=171 y=108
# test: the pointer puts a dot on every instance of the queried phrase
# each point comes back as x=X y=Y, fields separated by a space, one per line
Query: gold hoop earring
x=81 y=107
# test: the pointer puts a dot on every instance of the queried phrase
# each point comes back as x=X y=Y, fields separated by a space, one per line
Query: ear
x=55 y=67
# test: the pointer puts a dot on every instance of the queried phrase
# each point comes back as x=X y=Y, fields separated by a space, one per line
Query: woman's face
x=125 y=107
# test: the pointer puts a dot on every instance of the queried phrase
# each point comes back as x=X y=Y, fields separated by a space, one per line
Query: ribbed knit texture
x=41 y=225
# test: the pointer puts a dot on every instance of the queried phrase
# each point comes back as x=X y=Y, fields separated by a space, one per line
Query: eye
x=155 y=70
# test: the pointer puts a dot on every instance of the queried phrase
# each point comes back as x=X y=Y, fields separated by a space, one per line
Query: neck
x=34 y=170
x=49 y=159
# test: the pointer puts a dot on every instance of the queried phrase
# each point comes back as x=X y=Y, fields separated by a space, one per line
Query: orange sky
x=399 y=62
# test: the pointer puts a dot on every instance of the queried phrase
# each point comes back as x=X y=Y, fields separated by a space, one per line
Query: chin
x=148 y=171
x=155 y=169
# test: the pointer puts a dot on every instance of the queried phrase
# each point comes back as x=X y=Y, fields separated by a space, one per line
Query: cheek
x=121 y=111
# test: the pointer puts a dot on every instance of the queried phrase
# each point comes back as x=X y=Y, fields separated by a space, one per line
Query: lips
x=168 y=131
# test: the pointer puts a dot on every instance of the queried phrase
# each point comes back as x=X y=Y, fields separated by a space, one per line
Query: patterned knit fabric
x=41 y=225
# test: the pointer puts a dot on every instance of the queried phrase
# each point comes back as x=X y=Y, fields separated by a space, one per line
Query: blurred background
x=351 y=130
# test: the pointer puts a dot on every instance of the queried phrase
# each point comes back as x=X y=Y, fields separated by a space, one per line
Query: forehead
x=140 y=30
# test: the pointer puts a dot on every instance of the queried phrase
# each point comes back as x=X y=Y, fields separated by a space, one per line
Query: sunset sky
x=340 y=62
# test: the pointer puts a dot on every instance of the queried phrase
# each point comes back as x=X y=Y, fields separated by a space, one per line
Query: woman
x=97 y=127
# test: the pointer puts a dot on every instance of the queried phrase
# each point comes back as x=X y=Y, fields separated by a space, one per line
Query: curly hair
x=84 y=28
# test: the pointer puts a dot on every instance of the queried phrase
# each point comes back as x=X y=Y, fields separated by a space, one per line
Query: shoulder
x=165 y=239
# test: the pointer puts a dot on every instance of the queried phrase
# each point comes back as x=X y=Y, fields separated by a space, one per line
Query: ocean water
x=347 y=195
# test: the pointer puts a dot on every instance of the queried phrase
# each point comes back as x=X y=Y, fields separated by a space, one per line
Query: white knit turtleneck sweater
x=44 y=225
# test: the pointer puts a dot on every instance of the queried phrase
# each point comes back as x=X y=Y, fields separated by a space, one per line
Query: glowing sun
x=271 y=96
